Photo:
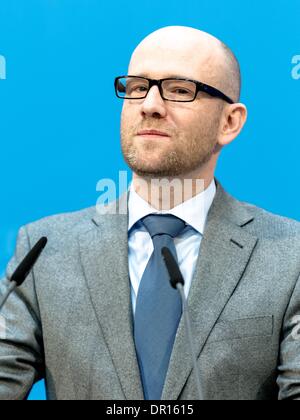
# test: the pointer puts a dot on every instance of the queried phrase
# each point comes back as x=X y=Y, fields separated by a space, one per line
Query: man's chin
x=155 y=172
x=159 y=166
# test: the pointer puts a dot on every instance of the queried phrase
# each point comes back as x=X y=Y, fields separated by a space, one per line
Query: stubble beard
x=189 y=154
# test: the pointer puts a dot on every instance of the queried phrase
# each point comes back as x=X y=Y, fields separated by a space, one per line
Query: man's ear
x=233 y=120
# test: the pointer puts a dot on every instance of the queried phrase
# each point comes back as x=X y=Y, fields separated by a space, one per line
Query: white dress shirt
x=193 y=212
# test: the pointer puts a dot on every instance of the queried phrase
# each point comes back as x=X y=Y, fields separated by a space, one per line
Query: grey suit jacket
x=71 y=322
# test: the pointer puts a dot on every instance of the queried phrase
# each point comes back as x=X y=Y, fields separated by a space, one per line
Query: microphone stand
x=22 y=271
x=10 y=287
x=190 y=338
x=177 y=282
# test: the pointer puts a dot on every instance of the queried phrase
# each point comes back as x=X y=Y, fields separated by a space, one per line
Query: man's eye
x=136 y=88
x=180 y=91
x=141 y=88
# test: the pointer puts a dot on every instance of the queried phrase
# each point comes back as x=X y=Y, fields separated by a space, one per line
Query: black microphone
x=177 y=282
x=22 y=271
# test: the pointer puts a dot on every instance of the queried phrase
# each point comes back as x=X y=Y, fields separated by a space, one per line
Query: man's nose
x=154 y=105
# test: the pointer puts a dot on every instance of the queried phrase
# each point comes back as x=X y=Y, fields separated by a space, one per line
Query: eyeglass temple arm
x=214 y=92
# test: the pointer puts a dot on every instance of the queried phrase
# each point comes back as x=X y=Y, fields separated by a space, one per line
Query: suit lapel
x=225 y=253
x=104 y=256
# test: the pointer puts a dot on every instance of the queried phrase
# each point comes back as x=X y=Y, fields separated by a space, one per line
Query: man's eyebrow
x=169 y=76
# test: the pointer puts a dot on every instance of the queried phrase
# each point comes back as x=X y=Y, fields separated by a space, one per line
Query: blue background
x=60 y=120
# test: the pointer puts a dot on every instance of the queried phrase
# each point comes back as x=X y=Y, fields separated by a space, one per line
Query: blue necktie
x=158 y=307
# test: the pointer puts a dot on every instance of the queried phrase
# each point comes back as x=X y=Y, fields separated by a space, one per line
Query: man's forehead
x=159 y=65
x=176 y=51
x=190 y=52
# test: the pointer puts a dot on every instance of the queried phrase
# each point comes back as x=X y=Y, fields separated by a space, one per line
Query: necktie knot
x=163 y=224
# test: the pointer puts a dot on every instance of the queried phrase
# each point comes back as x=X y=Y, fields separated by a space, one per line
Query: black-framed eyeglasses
x=171 y=89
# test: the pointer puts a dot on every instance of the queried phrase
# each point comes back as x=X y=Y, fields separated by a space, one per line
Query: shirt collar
x=193 y=212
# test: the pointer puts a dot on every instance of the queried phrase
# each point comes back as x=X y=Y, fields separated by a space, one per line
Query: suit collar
x=223 y=206
x=193 y=212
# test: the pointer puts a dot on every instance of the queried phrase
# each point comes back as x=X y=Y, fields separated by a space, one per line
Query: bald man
x=98 y=319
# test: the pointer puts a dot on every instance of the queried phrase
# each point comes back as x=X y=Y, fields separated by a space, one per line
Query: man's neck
x=167 y=193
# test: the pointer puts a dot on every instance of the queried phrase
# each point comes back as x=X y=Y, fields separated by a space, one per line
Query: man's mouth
x=154 y=133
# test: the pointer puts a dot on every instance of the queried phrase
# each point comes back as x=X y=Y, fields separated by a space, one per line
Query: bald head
x=196 y=53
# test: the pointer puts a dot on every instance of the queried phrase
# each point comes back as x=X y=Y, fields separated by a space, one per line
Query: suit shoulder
x=271 y=224
x=66 y=224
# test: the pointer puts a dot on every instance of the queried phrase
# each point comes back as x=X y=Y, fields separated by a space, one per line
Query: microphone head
x=22 y=271
x=172 y=267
